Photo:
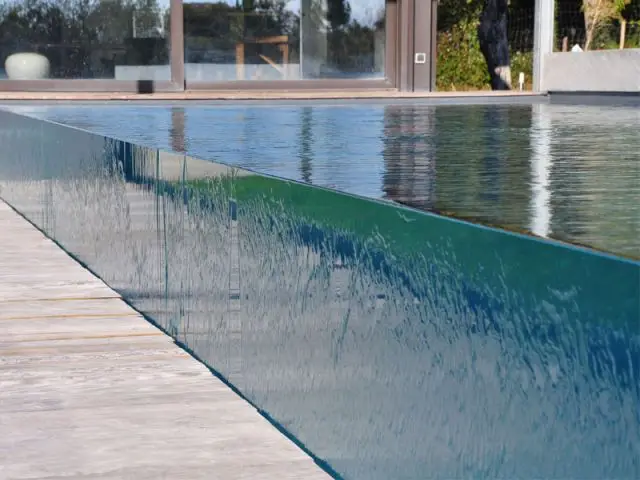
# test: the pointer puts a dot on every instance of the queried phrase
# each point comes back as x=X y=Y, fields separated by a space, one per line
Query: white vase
x=27 y=66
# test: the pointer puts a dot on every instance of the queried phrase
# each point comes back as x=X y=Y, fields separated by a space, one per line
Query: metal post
x=406 y=41
x=422 y=47
x=434 y=43
x=543 y=39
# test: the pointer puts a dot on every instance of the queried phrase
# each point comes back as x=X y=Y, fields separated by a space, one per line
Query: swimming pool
x=392 y=343
x=569 y=172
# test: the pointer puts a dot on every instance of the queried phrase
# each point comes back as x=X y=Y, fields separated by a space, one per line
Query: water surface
x=565 y=172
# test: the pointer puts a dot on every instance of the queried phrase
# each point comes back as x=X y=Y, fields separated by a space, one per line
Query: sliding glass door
x=145 y=46
x=276 y=40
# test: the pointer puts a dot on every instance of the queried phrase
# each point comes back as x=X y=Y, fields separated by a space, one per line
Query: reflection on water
x=393 y=344
x=568 y=172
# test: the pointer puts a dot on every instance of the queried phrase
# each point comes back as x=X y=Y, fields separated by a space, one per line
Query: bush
x=522 y=62
x=461 y=65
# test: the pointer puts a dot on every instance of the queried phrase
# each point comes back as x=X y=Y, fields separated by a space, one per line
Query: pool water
x=566 y=172
x=569 y=172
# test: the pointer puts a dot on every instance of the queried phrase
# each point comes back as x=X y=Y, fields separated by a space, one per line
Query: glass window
x=279 y=39
x=84 y=39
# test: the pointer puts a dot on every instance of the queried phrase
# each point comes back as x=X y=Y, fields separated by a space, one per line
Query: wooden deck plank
x=64 y=308
x=89 y=389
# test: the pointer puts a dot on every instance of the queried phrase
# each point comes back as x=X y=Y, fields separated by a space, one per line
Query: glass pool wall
x=390 y=342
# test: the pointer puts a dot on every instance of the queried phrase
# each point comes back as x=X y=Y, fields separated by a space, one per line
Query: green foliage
x=522 y=62
x=599 y=13
x=460 y=64
x=452 y=12
x=608 y=36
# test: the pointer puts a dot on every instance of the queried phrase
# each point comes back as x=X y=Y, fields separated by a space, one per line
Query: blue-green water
x=392 y=343
x=567 y=172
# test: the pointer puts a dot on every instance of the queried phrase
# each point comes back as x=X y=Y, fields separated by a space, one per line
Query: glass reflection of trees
x=86 y=38
x=212 y=31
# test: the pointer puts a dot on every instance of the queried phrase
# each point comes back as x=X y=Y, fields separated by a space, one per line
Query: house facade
x=145 y=46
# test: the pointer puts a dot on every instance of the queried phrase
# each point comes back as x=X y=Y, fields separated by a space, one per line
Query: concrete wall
x=600 y=71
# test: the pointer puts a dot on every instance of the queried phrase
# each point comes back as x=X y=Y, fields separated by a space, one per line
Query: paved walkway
x=89 y=389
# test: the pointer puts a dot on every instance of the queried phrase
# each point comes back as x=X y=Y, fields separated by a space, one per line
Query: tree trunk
x=492 y=34
x=623 y=32
x=588 y=27
x=593 y=17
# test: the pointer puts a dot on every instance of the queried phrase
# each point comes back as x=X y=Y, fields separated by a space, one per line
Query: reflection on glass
x=84 y=39
x=276 y=39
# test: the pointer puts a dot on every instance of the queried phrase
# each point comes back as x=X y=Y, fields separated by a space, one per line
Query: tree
x=597 y=13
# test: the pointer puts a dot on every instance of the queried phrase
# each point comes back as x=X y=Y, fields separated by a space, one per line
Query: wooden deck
x=89 y=389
